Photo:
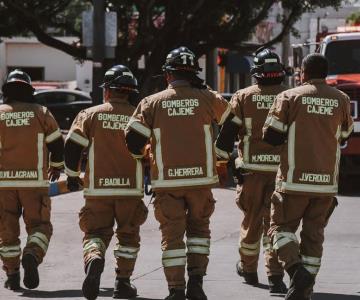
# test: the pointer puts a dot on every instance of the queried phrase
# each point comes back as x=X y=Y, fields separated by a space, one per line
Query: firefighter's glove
x=74 y=184
x=238 y=173
x=54 y=174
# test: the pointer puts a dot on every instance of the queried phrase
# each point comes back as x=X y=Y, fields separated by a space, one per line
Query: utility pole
x=211 y=69
x=98 y=49
x=286 y=45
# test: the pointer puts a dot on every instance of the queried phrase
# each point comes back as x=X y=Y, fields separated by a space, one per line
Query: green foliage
x=353 y=19
x=152 y=27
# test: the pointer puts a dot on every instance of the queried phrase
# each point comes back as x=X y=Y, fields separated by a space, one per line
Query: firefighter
x=178 y=123
x=29 y=136
x=113 y=183
x=258 y=162
x=311 y=121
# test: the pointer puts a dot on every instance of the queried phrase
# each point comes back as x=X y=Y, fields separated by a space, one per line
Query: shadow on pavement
x=107 y=292
x=326 y=296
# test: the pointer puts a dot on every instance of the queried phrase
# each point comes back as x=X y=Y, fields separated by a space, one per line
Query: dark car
x=63 y=104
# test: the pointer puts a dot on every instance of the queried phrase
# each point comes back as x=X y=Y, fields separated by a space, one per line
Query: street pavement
x=62 y=270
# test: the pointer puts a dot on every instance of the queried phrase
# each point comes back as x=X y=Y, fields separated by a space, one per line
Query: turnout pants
x=35 y=207
x=97 y=219
x=179 y=212
x=254 y=198
x=287 y=211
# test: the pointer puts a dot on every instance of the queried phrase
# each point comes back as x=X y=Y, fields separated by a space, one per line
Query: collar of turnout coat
x=315 y=81
x=178 y=83
x=118 y=100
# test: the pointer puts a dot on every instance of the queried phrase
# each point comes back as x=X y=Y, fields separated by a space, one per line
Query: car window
x=59 y=98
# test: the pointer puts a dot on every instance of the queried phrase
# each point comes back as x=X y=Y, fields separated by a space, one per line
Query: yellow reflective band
x=77 y=138
x=276 y=124
x=312 y=188
x=40 y=164
x=172 y=258
x=113 y=192
x=311 y=260
x=10 y=251
x=209 y=151
x=184 y=182
x=94 y=244
x=139 y=127
x=56 y=164
x=246 y=140
x=137 y=156
x=239 y=163
x=249 y=249
x=282 y=238
x=338 y=155
x=291 y=153
x=158 y=154
x=225 y=114
x=173 y=262
x=39 y=239
x=311 y=269
x=345 y=134
x=126 y=252
x=198 y=241
x=236 y=120
x=53 y=136
x=250 y=246
x=221 y=153
x=71 y=173
x=23 y=183
x=198 y=250
x=173 y=253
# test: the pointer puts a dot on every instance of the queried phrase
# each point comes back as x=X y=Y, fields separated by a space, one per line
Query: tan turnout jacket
x=25 y=130
x=179 y=122
x=110 y=169
x=252 y=105
x=315 y=117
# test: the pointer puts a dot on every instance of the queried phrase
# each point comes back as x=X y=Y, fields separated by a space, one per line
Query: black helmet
x=17 y=79
x=120 y=77
x=267 y=64
x=181 y=59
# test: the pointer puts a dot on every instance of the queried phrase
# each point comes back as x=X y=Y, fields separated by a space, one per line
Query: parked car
x=64 y=104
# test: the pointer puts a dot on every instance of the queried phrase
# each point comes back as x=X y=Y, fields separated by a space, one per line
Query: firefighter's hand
x=53 y=174
x=222 y=170
x=74 y=184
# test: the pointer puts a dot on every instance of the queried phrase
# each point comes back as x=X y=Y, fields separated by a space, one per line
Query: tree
x=151 y=28
x=353 y=19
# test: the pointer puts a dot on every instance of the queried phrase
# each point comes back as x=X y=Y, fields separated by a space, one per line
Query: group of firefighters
x=287 y=172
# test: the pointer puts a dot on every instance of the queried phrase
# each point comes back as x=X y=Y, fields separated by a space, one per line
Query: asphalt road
x=62 y=270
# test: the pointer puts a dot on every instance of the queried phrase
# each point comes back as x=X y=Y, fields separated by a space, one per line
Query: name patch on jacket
x=114 y=181
x=263 y=101
x=265 y=158
x=320 y=106
x=16 y=119
x=184 y=172
x=184 y=107
x=318 y=178
x=113 y=121
x=21 y=174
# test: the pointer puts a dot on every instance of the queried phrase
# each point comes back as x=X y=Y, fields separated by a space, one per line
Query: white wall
x=28 y=52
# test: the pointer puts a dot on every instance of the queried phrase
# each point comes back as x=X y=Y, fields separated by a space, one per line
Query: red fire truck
x=342 y=50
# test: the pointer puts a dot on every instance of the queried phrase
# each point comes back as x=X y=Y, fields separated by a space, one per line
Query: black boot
x=31 y=273
x=250 y=278
x=176 y=294
x=13 y=281
x=276 y=284
x=301 y=284
x=124 y=289
x=91 y=284
x=194 y=289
